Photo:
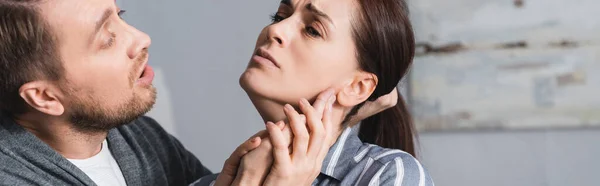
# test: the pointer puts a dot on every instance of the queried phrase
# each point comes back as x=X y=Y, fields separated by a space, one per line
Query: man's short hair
x=28 y=52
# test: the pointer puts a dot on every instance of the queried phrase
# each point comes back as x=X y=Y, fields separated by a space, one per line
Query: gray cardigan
x=146 y=154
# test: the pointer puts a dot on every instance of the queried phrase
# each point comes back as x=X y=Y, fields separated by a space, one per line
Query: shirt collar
x=340 y=158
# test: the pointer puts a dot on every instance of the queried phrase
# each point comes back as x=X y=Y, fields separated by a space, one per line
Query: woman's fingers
x=281 y=152
x=299 y=130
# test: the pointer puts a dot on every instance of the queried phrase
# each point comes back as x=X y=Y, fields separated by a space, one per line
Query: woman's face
x=307 y=49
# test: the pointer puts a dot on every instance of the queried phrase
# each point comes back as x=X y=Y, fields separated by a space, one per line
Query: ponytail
x=385 y=47
x=391 y=128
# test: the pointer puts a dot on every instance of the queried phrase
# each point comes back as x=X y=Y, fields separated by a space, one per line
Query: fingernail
x=281 y=125
x=330 y=91
x=254 y=139
x=332 y=99
x=330 y=105
x=289 y=107
x=304 y=102
x=268 y=123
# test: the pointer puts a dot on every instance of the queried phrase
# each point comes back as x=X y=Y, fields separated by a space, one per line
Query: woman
x=361 y=49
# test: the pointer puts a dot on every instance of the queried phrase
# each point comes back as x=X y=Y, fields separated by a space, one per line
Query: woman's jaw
x=271 y=110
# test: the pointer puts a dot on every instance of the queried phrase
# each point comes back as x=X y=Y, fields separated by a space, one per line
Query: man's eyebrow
x=315 y=10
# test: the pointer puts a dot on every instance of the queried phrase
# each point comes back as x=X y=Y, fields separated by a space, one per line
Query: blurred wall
x=201 y=47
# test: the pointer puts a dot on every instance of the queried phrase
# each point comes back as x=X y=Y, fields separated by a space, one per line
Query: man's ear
x=42 y=96
x=358 y=90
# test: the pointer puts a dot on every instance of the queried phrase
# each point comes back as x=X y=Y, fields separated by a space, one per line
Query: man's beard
x=88 y=114
x=91 y=116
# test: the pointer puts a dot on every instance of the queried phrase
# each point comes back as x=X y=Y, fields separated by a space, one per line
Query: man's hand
x=373 y=107
x=231 y=165
x=256 y=165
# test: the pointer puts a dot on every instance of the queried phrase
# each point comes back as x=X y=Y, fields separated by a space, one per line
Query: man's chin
x=147 y=97
x=146 y=89
x=95 y=120
x=87 y=124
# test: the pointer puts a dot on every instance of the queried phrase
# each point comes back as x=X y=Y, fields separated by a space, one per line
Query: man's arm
x=194 y=167
x=373 y=107
x=180 y=165
x=230 y=167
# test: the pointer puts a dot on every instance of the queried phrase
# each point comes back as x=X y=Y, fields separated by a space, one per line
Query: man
x=72 y=74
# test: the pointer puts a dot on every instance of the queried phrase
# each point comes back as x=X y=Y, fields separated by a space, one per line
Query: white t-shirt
x=102 y=168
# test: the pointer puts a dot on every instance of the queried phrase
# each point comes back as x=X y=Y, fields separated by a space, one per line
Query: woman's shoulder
x=382 y=155
x=391 y=166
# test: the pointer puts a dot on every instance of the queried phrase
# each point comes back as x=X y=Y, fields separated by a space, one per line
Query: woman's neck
x=272 y=111
x=269 y=110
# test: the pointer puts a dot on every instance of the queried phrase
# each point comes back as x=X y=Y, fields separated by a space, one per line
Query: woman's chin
x=252 y=86
x=246 y=83
x=260 y=87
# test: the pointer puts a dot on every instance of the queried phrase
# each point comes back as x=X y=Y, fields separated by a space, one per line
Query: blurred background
x=504 y=92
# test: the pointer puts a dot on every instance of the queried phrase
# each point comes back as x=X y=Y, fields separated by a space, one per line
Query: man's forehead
x=74 y=14
x=74 y=21
x=65 y=9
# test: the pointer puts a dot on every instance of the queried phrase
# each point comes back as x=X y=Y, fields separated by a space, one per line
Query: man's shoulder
x=146 y=138
x=17 y=170
x=13 y=172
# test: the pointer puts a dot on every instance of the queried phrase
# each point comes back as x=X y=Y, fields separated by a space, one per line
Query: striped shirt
x=352 y=162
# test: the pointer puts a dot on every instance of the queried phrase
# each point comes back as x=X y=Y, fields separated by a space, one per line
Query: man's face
x=107 y=82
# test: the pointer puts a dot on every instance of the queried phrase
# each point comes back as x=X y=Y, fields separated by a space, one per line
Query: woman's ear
x=358 y=90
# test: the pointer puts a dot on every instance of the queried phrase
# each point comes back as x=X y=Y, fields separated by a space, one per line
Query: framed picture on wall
x=496 y=64
x=507 y=89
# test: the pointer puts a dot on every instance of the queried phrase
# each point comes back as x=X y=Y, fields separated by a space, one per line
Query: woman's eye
x=275 y=18
x=312 y=31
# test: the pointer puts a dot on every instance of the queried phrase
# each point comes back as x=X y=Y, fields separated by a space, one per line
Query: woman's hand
x=308 y=151
x=313 y=136
x=230 y=167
